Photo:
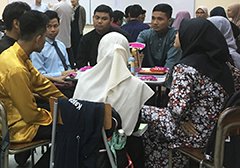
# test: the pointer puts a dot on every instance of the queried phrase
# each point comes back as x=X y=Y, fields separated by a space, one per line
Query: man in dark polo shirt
x=88 y=47
x=11 y=15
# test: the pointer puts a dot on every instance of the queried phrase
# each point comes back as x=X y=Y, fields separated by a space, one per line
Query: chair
x=228 y=121
x=8 y=148
x=107 y=125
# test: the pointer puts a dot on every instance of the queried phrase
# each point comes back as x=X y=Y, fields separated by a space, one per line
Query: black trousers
x=44 y=132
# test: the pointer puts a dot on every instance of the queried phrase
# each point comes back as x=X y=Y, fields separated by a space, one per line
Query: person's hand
x=66 y=73
x=59 y=79
x=189 y=128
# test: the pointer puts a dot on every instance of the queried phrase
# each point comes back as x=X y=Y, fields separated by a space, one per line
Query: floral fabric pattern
x=193 y=97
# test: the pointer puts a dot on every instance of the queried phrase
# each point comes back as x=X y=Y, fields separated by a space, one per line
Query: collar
x=163 y=32
x=20 y=52
x=50 y=41
x=74 y=8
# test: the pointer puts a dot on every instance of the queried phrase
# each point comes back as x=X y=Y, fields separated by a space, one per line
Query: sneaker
x=21 y=158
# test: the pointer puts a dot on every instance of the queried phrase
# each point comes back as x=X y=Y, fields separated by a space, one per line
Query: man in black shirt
x=88 y=47
x=11 y=14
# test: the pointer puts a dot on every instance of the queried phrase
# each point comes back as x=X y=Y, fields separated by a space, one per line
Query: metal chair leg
x=32 y=157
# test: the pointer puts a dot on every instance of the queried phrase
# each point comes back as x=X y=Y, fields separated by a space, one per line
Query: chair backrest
x=56 y=119
x=4 y=137
x=228 y=120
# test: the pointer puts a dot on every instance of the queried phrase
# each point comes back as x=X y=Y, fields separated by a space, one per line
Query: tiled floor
x=13 y=164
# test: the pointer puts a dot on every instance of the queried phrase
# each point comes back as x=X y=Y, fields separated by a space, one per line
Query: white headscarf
x=110 y=81
x=205 y=10
x=225 y=27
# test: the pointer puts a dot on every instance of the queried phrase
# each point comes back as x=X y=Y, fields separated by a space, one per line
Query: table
x=157 y=86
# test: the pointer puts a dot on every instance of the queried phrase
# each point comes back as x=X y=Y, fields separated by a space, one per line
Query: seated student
x=11 y=14
x=201 y=83
x=110 y=81
x=53 y=61
x=19 y=80
x=134 y=25
x=87 y=50
x=159 y=50
x=225 y=28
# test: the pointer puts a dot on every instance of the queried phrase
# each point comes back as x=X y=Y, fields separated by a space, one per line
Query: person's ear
x=38 y=38
x=15 y=24
x=38 y=42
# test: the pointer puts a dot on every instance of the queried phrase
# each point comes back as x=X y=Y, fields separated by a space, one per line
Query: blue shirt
x=47 y=61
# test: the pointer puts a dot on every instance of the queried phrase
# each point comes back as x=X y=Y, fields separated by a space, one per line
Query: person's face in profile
x=159 y=21
x=52 y=28
x=177 y=41
x=101 y=22
x=230 y=13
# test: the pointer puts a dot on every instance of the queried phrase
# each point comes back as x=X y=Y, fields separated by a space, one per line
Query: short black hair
x=143 y=11
x=135 y=11
x=165 y=8
x=13 y=11
x=32 y=23
x=105 y=9
x=117 y=15
x=127 y=11
x=52 y=15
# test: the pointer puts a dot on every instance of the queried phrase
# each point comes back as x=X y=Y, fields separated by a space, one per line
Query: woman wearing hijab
x=233 y=12
x=220 y=11
x=201 y=83
x=225 y=28
x=110 y=81
x=202 y=12
x=179 y=17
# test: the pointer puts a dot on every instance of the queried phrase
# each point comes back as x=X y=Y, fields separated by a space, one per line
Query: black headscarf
x=205 y=49
x=218 y=11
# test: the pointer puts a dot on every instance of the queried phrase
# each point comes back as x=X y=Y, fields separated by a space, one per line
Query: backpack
x=232 y=144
